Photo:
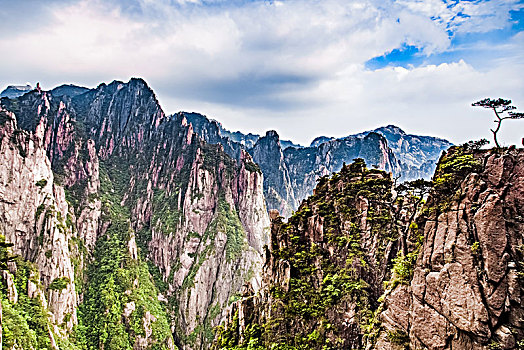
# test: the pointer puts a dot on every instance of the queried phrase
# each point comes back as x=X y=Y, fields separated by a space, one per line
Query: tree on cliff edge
x=499 y=107
x=5 y=255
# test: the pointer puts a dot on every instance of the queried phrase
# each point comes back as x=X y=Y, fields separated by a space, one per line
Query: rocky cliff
x=337 y=275
x=138 y=234
x=291 y=171
x=416 y=155
x=466 y=289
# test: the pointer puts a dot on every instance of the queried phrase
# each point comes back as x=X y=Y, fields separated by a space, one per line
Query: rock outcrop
x=467 y=290
x=36 y=218
x=103 y=193
x=336 y=276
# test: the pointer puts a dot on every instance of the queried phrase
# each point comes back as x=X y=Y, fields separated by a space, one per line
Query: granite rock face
x=291 y=171
x=467 y=290
x=458 y=285
x=33 y=217
x=81 y=169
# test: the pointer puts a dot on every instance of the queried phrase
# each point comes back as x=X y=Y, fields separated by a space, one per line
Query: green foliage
x=452 y=169
x=499 y=107
x=398 y=337
x=15 y=328
x=4 y=117
x=167 y=215
x=41 y=183
x=403 y=267
x=5 y=254
x=252 y=167
x=116 y=281
x=493 y=345
x=471 y=146
x=475 y=248
x=25 y=322
x=59 y=283
x=75 y=194
x=18 y=138
x=228 y=222
x=233 y=298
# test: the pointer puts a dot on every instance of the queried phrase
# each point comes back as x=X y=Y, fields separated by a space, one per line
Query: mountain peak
x=68 y=89
x=319 y=140
x=392 y=129
x=272 y=134
x=13 y=91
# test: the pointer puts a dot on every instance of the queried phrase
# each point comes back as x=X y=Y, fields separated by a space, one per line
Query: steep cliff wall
x=162 y=229
x=466 y=289
x=336 y=276
x=36 y=218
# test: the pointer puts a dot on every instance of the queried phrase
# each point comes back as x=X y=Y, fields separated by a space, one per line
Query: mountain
x=320 y=140
x=131 y=231
x=124 y=228
x=69 y=90
x=246 y=140
x=291 y=173
x=416 y=155
x=13 y=91
x=364 y=265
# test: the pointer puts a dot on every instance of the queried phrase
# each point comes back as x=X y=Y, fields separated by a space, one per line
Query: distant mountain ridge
x=247 y=140
x=291 y=171
x=69 y=90
x=13 y=91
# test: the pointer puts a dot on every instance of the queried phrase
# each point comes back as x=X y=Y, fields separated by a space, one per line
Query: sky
x=303 y=68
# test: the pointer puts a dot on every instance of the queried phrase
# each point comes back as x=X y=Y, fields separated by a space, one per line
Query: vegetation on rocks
x=25 y=323
x=329 y=275
x=121 y=295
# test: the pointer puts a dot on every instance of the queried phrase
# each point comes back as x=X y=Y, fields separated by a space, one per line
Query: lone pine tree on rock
x=499 y=107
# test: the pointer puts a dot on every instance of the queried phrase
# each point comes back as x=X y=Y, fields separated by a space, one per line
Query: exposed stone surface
x=291 y=171
x=199 y=215
x=459 y=286
x=33 y=213
x=465 y=293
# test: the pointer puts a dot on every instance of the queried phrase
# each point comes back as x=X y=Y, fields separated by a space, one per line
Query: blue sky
x=474 y=46
x=304 y=68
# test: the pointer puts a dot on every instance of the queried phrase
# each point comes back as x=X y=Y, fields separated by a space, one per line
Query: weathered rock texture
x=100 y=189
x=291 y=171
x=467 y=289
x=33 y=214
x=458 y=286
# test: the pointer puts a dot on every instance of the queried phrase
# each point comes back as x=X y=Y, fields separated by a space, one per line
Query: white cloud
x=465 y=16
x=260 y=65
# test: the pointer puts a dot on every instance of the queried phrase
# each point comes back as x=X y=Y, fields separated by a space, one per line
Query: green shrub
x=59 y=283
x=41 y=183
x=403 y=268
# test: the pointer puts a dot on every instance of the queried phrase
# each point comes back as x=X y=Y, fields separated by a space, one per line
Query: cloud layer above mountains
x=304 y=68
